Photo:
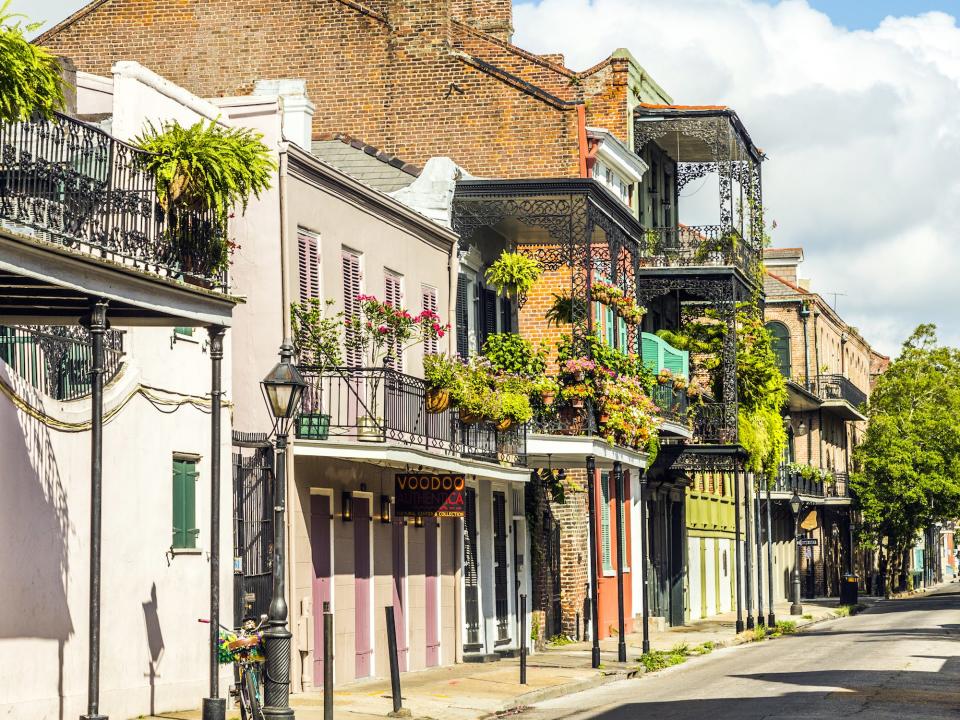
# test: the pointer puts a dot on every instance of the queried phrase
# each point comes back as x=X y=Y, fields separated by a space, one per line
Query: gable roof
x=364 y=162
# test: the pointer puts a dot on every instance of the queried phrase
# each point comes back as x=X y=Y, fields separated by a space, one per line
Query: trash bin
x=848 y=589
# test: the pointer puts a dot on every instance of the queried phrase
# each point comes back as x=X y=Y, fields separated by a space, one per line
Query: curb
x=558 y=691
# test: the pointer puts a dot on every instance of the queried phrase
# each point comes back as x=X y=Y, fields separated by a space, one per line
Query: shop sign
x=429 y=495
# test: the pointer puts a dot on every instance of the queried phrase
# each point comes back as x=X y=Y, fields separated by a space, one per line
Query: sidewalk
x=472 y=691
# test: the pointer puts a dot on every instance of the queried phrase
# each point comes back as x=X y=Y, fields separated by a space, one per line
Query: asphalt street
x=900 y=659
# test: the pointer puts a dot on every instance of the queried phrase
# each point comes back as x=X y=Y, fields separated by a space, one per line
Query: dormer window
x=613 y=165
x=615 y=182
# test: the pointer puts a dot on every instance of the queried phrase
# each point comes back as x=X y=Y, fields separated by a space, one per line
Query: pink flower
x=383 y=329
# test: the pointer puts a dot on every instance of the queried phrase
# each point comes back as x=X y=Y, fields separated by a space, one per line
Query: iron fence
x=71 y=183
x=790 y=479
x=699 y=245
x=715 y=423
x=57 y=360
x=380 y=405
x=838 y=387
x=672 y=402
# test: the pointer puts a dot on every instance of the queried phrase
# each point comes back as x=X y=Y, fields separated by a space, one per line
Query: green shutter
x=184 y=331
x=185 y=504
x=610 y=329
x=625 y=338
x=659 y=354
x=623 y=535
x=605 y=523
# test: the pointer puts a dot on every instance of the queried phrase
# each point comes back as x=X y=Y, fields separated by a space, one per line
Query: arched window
x=780 y=342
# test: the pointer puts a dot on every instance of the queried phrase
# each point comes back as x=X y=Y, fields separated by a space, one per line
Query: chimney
x=783 y=262
x=494 y=17
x=294 y=104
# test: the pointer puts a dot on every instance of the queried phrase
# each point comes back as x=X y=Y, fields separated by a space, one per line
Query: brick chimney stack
x=494 y=17
x=783 y=262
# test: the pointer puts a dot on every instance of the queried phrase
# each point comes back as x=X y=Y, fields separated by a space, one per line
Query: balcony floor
x=404 y=456
x=46 y=283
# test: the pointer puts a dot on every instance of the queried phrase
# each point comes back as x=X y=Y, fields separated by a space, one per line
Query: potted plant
x=577 y=368
x=317 y=342
x=440 y=374
x=514 y=409
x=513 y=274
x=380 y=333
x=473 y=392
x=547 y=387
x=202 y=172
x=665 y=377
x=563 y=309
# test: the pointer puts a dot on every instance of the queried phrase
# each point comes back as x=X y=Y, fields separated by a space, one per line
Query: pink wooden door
x=362 y=587
x=322 y=565
x=432 y=590
x=399 y=591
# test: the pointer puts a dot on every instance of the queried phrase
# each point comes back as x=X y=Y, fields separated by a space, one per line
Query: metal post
x=747 y=553
x=394 y=662
x=523 y=639
x=327 y=661
x=277 y=636
x=795 y=607
x=736 y=547
x=97 y=325
x=594 y=559
x=758 y=532
x=644 y=536
x=771 y=616
x=621 y=627
x=215 y=707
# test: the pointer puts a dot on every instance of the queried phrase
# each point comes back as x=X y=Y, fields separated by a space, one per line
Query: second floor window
x=308 y=260
x=429 y=300
x=393 y=296
x=780 y=342
x=350 y=267
x=185 y=529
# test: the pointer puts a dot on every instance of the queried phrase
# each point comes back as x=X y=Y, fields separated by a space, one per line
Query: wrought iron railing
x=672 y=402
x=380 y=405
x=790 y=479
x=838 y=387
x=56 y=360
x=707 y=245
x=715 y=423
x=71 y=183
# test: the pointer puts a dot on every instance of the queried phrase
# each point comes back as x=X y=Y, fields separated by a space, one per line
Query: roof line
x=516 y=50
x=517 y=82
x=788 y=283
x=373 y=151
x=69 y=20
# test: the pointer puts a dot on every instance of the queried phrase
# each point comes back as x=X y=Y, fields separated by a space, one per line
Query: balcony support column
x=736 y=548
x=96 y=323
x=215 y=707
x=747 y=554
x=758 y=536
x=594 y=559
x=771 y=616
x=621 y=544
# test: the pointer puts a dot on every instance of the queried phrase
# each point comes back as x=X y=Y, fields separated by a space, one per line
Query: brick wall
x=574 y=549
x=387 y=72
x=491 y=16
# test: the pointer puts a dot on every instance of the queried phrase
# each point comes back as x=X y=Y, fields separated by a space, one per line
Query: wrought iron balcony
x=70 y=183
x=672 y=402
x=57 y=360
x=838 y=387
x=701 y=245
x=380 y=405
x=790 y=480
x=715 y=423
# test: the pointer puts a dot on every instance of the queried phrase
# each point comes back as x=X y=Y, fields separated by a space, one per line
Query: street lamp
x=796 y=505
x=282 y=389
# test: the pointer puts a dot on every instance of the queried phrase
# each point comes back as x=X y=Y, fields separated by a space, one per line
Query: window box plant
x=440 y=374
x=316 y=339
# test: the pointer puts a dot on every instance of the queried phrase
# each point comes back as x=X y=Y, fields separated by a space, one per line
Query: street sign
x=429 y=495
x=808 y=542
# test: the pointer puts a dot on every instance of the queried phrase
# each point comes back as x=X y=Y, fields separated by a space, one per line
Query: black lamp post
x=282 y=389
x=796 y=506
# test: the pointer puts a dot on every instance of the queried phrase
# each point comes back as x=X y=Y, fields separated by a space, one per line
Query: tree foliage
x=30 y=80
x=908 y=466
x=761 y=389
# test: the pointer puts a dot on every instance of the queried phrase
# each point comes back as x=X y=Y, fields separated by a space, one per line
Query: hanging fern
x=206 y=166
x=30 y=81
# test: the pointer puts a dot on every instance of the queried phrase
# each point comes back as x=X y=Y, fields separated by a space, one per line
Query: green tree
x=907 y=466
x=30 y=80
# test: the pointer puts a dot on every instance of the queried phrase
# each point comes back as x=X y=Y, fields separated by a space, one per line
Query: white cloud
x=862 y=130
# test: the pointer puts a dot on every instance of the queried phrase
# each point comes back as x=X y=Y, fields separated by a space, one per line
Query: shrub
x=510 y=353
x=30 y=81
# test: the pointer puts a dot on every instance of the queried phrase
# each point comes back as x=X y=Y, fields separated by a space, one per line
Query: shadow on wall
x=151 y=621
x=35 y=527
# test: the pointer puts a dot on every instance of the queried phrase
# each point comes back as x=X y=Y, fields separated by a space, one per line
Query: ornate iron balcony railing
x=672 y=402
x=378 y=405
x=715 y=423
x=56 y=360
x=73 y=184
x=700 y=245
x=790 y=480
x=838 y=387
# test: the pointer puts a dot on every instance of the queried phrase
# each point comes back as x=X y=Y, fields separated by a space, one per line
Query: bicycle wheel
x=254 y=688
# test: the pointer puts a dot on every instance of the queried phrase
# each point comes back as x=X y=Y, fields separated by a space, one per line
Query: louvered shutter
x=393 y=296
x=463 y=317
x=429 y=300
x=350 y=263
x=610 y=330
x=489 y=315
x=605 y=523
x=624 y=333
x=308 y=259
x=184 y=504
x=506 y=315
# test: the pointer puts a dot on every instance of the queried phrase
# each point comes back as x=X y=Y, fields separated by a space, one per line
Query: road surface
x=901 y=659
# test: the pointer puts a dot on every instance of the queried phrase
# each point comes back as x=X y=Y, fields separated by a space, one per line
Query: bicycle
x=244 y=648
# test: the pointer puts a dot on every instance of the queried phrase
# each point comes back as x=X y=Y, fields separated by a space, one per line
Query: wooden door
x=431 y=529
x=363 y=588
x=400 y=590
x=320 y=550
